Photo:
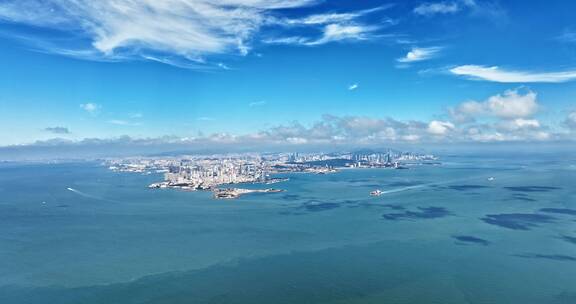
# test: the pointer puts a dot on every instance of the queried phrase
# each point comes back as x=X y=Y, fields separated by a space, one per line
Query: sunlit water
x=78 y=233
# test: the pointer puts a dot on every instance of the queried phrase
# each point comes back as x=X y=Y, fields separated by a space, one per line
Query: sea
x=479 y=229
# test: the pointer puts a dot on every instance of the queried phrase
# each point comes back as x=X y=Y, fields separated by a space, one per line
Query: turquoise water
x=440 y=234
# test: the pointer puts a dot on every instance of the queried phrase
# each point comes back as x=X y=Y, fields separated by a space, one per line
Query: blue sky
x=290 y=72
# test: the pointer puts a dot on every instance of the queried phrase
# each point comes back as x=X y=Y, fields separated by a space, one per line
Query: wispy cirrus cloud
x=497 y=74
x=121 y=122
x=331 y=33
x=420 y=54
x=434 y=8
x=258 y=103
x=182 y=33
x=485 y=9
x=333 y=27
x=339 y=32
x=568 y=36
x=330 y=17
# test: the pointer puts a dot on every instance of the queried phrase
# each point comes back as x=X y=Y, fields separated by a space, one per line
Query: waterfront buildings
x=203 y=172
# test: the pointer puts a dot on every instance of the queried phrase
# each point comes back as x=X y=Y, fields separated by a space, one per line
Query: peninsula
x=218 y=172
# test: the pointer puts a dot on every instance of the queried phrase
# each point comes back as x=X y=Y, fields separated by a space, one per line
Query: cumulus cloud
x=329 y=132
x=91 y=108
x=467 y=111
x=519 y=124
x=509 y=116
x=181 y=33
x=353 y=87
x=57 y=130
x=497 y=74
x=436 y=127
x=570 y=120
x=515 y=103
x=420 y=54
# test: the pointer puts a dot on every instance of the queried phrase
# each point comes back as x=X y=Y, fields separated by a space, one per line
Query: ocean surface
x=78 y=233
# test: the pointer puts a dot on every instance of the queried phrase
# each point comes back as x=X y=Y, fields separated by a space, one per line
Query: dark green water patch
x=532 y=188
x=554 y=257
x=466 y=187
x=517 y=221
x=569 y=239
x=420 y=213
x=467 y=239
x=316 y=277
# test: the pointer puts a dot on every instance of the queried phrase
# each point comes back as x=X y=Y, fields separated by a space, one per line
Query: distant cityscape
x=210 y=172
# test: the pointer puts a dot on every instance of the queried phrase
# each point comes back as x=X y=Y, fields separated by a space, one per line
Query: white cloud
x=182 y=33
x=508 y=105
x=324 y=18
x=57 y=130
x=478 y=9
x=328 y=18
x=257 y=103
x=223 y=66
x=205 y=118
x=509 y=116
x=91 y=108
x=437 y=127
x=420 y=54
x=296 y=40
x=353 y=87
x=428 y=9
x=570 y=120
x=338 y=32
x=189 y=28
x=332 y=131
x=467 y=111
x=121 y=122
x=519 y=124
x=333 y=26
x=496 y=74
x=512 y=104
x=296 y=140
x=568 y=36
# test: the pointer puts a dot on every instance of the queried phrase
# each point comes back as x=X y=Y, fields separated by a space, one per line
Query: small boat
x=491 y=178
x=376 y=192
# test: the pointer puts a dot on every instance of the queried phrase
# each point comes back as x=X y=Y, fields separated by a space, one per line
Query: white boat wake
x=431 y=184
x=89 y=195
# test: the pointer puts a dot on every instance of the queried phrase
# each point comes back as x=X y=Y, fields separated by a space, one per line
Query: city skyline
x=260 y=73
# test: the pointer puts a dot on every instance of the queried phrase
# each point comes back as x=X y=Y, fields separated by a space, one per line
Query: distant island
x=216 y=172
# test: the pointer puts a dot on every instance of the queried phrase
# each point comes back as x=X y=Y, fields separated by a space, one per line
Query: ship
x=376 y=192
